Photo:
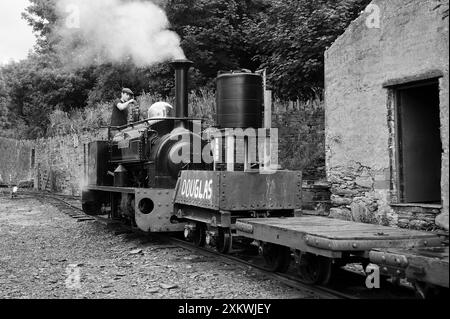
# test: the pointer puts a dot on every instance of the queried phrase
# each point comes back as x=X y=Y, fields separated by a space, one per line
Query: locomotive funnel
x=181 y=87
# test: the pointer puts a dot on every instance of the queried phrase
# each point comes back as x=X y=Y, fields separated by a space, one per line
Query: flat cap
x=126 y=90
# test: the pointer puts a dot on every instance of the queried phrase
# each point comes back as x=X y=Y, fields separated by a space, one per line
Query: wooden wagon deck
x=331 y=237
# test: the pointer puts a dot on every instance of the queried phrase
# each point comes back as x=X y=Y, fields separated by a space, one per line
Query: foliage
x=286 y=37
x=290 y=39
x=203 y=105
x=41 y=16
x=35 y=88
x=301 y=132
x=91 y=118
x=79 y=121
x=213 y=33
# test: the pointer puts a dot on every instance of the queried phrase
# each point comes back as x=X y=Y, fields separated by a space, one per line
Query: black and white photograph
x=224 y=158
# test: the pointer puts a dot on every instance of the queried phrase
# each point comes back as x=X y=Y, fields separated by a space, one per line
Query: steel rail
x=290 y=281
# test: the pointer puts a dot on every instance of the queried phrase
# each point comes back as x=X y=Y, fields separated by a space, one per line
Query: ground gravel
x=43 y=249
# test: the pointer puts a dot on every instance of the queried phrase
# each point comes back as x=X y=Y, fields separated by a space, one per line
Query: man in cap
x=120 y=108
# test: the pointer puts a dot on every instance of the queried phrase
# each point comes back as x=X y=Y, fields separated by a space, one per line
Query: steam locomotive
x=168 y=175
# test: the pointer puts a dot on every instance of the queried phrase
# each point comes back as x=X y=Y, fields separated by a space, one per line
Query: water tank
x=239 y=100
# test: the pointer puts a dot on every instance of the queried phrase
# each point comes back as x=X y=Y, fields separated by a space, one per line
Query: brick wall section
x=412 y=41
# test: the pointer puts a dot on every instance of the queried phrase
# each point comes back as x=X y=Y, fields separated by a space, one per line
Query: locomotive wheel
x=91 y=208
x=277 y=257
x=199 y=235
x=314 y=269
x=224 y=240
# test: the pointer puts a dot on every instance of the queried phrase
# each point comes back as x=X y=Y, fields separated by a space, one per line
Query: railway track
x=70 y=206
x=290 y=281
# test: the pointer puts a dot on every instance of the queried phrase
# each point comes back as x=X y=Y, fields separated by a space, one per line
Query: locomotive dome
x=160 y=110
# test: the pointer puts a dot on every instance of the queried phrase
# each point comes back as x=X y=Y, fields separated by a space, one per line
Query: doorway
x=419 y=142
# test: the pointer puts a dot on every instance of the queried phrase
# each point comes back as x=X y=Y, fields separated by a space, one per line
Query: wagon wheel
x=252 y=250
x=91 y=208
x=426 y=291
x=277 y=257
x=199 y=235
x=314 y=269
x=224 y=240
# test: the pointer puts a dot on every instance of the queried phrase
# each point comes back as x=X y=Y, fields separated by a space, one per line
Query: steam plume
x=99 y=31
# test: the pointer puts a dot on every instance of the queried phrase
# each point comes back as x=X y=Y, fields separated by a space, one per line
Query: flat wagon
x=320 y=244
x=425 y=267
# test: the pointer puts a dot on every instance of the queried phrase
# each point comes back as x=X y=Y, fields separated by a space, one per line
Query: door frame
x=397 y=148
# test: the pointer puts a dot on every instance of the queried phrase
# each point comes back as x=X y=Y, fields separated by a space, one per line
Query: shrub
x=80 y=120
x=301 y=136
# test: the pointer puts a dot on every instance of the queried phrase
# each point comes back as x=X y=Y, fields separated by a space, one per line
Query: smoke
x=101 y=31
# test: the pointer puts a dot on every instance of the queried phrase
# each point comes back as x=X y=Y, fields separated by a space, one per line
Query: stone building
x=387 y=109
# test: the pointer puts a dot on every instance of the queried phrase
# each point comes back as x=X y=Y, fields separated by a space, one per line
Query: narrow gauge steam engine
x=138 y=176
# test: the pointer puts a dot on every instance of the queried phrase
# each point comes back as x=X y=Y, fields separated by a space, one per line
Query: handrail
x=153 y=119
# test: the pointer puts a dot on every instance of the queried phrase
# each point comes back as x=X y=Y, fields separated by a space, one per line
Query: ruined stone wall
x=58 y=161
x=411 y=43
x=61 y=159
x=15 y=160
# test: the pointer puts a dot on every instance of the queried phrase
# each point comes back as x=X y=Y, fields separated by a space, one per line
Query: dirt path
x=43 y=253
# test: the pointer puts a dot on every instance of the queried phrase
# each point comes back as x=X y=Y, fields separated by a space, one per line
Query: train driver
x=120 y=108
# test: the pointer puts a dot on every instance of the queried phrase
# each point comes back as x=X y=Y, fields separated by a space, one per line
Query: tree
x=41 y=15
x=291 y=36
x=212 y=33
x=111 y=78
x=34 y=90
x=5 y=120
